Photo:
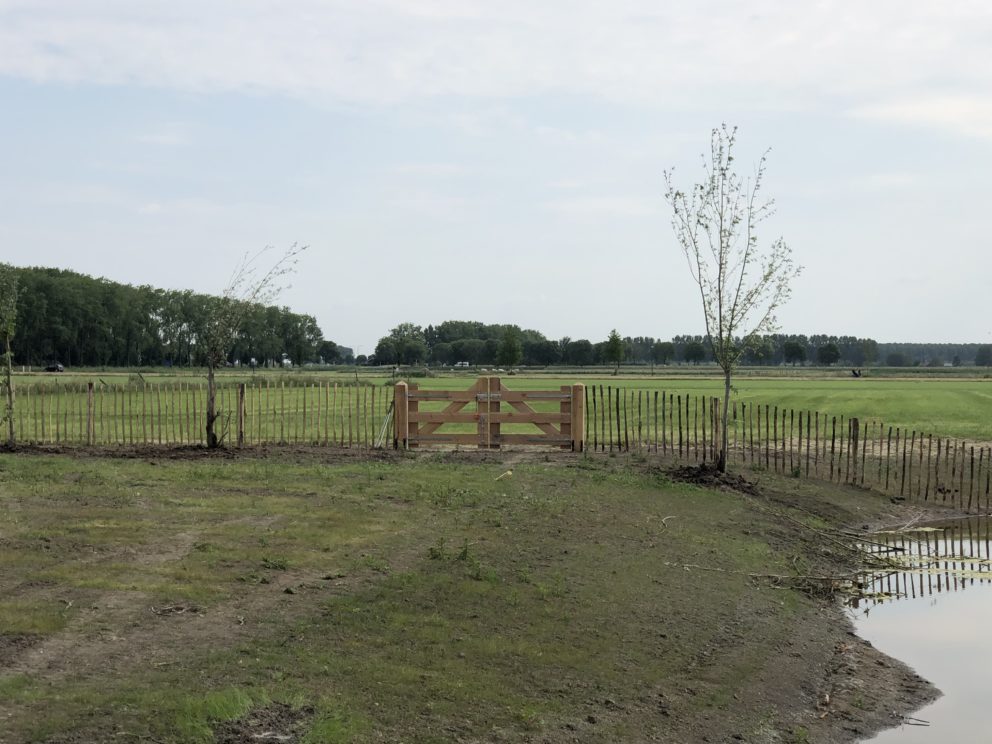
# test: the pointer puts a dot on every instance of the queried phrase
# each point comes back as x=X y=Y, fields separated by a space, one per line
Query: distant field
x=946 y=404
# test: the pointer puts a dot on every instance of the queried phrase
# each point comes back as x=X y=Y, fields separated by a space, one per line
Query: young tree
x=510 y=350
x=794 y=352
x=694 y=352
x=740 y=284
x=247 y=287
x=662 y=351
x=614 y=350
x=8 y=321
x=983 y=356
x=828 y=354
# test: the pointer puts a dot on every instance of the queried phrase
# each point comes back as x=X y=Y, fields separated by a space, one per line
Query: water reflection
x=929 y=560
x=931 y=611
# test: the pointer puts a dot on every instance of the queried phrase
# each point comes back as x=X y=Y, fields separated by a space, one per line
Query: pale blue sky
x=503 y=161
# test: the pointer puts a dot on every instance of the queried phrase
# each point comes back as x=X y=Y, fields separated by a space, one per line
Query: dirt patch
x=301 y=453
x=13 y=645
x=708 y=476
x=276 y=723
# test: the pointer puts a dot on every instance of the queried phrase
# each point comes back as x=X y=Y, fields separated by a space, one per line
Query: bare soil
x=277 y=722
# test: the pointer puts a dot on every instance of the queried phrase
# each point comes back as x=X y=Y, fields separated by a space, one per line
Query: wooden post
x=371 y=439
x=656 y=419
x=749 y=432
x=961 y=486
x=971 y=486
x=595 y=428
x=736 y=426
x=981 y=461
x=881 y=437
x=302 y=431
x=639 y=417
x=664 y=420
x=680 y=426
x=783 y=440
x=855 y=425
x=241 y=414
x=695 y=423
x=585 y=423
x=351 y=421
x=953 y=462
x=833 y=444
x=768 y=460
x=705 y=440
x=717 y=432
x=792 y=434
x=626 y=435
x=864 y=453
x=578 y=420
x=603 y=414
x=493 y=387
x=616 y=403
x=988 y=482
x=816 y=444
x=400 y=413
x=89 y=413
x=671 y=422
x=775 y=439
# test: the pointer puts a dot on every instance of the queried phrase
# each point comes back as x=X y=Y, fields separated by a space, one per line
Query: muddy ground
x=728 y=667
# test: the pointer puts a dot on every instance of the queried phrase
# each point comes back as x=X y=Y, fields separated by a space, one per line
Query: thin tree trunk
x=212 y=440
x=722 y=462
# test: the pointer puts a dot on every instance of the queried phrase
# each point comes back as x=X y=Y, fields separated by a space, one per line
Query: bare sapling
x=741 y=284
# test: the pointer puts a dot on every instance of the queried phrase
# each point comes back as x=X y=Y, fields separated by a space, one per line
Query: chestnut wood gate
x=485 y=402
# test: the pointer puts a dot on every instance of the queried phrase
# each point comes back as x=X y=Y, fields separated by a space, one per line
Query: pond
x=934 y=614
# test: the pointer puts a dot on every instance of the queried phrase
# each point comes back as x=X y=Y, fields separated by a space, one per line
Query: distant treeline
x=67 y=317
x=479 y=344
x=77 y=320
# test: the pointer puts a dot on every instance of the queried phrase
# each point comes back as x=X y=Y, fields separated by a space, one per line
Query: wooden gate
x=561 y=428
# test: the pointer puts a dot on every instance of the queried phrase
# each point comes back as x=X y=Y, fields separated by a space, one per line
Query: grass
x=418 y=599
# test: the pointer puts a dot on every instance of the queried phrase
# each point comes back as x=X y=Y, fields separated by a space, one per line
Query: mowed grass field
x=422 y=599
x=947 y=406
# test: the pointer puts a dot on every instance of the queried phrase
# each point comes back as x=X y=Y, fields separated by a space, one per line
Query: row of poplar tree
x=469 y=342
x=66 y=317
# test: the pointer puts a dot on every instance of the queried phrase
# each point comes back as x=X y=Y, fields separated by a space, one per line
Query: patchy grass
x=417 y=599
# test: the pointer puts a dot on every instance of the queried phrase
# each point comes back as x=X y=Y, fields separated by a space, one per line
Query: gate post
x=401 y=415
x=488 y=389
x=90 y=428
x=578 y=417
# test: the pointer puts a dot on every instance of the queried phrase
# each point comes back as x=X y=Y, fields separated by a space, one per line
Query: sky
x=503 y=162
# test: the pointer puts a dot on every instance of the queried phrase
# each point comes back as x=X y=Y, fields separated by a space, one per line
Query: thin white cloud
x=889 y=181
x=767 y=53
x=168 y=135
x=429 y=204
x=606 y=206
x=967 y=115
x=428 y=170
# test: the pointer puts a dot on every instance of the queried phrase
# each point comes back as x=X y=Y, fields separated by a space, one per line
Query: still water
x=936 y=616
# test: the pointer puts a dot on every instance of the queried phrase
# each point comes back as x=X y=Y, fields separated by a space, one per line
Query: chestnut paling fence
x=900 y=462
x=175 y=414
